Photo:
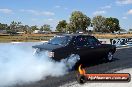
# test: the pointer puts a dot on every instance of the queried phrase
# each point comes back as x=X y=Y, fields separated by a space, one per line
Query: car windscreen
x=60 y=40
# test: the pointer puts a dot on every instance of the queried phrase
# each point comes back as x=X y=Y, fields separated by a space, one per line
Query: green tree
x=15 y=26
x=79 y=20
x=71 y=27
x=33 y=28
x=3 y=26
x=61 y=27
x=123 y=30
x=45 y=27
x=112 y=24
x=98 y=23
x=130 y=29
x=25 y=28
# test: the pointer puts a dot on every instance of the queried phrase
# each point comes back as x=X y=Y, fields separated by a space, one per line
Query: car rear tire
x=72 y=61
x=109 y=56
x=81 y=79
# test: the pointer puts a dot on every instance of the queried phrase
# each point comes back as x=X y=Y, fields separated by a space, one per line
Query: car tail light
x=51 y=54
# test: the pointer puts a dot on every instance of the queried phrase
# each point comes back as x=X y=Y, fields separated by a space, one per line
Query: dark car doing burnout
x=85 y=46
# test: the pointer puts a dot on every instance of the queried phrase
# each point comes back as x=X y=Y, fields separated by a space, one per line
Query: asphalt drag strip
x=122 y=60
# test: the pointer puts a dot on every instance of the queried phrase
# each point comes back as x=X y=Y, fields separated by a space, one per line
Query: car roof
x=73 y=35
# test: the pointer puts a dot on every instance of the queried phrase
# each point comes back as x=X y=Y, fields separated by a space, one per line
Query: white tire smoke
x=71 y=60
x=19 y=66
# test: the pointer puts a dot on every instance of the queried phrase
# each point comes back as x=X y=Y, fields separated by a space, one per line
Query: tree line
x=77 y=21
x=15 y=27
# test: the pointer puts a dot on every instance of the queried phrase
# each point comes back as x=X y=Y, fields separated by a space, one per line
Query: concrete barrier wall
x=120 y=41
x=117 y=42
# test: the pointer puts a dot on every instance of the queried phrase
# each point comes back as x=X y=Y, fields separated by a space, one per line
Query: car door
x=96 y=46
x=83 y=49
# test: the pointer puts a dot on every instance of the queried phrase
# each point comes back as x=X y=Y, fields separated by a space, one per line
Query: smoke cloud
x=19 y=66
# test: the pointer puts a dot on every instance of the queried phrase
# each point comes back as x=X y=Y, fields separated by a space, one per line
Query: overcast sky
x=39 y=12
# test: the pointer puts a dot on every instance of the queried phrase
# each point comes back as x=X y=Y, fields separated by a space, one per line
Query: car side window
x=92 y=41
x=81 y=41
x=85 y=41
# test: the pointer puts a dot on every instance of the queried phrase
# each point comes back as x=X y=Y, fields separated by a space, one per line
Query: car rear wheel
x=109 y=56
x=81 y=79
x=72 y=61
